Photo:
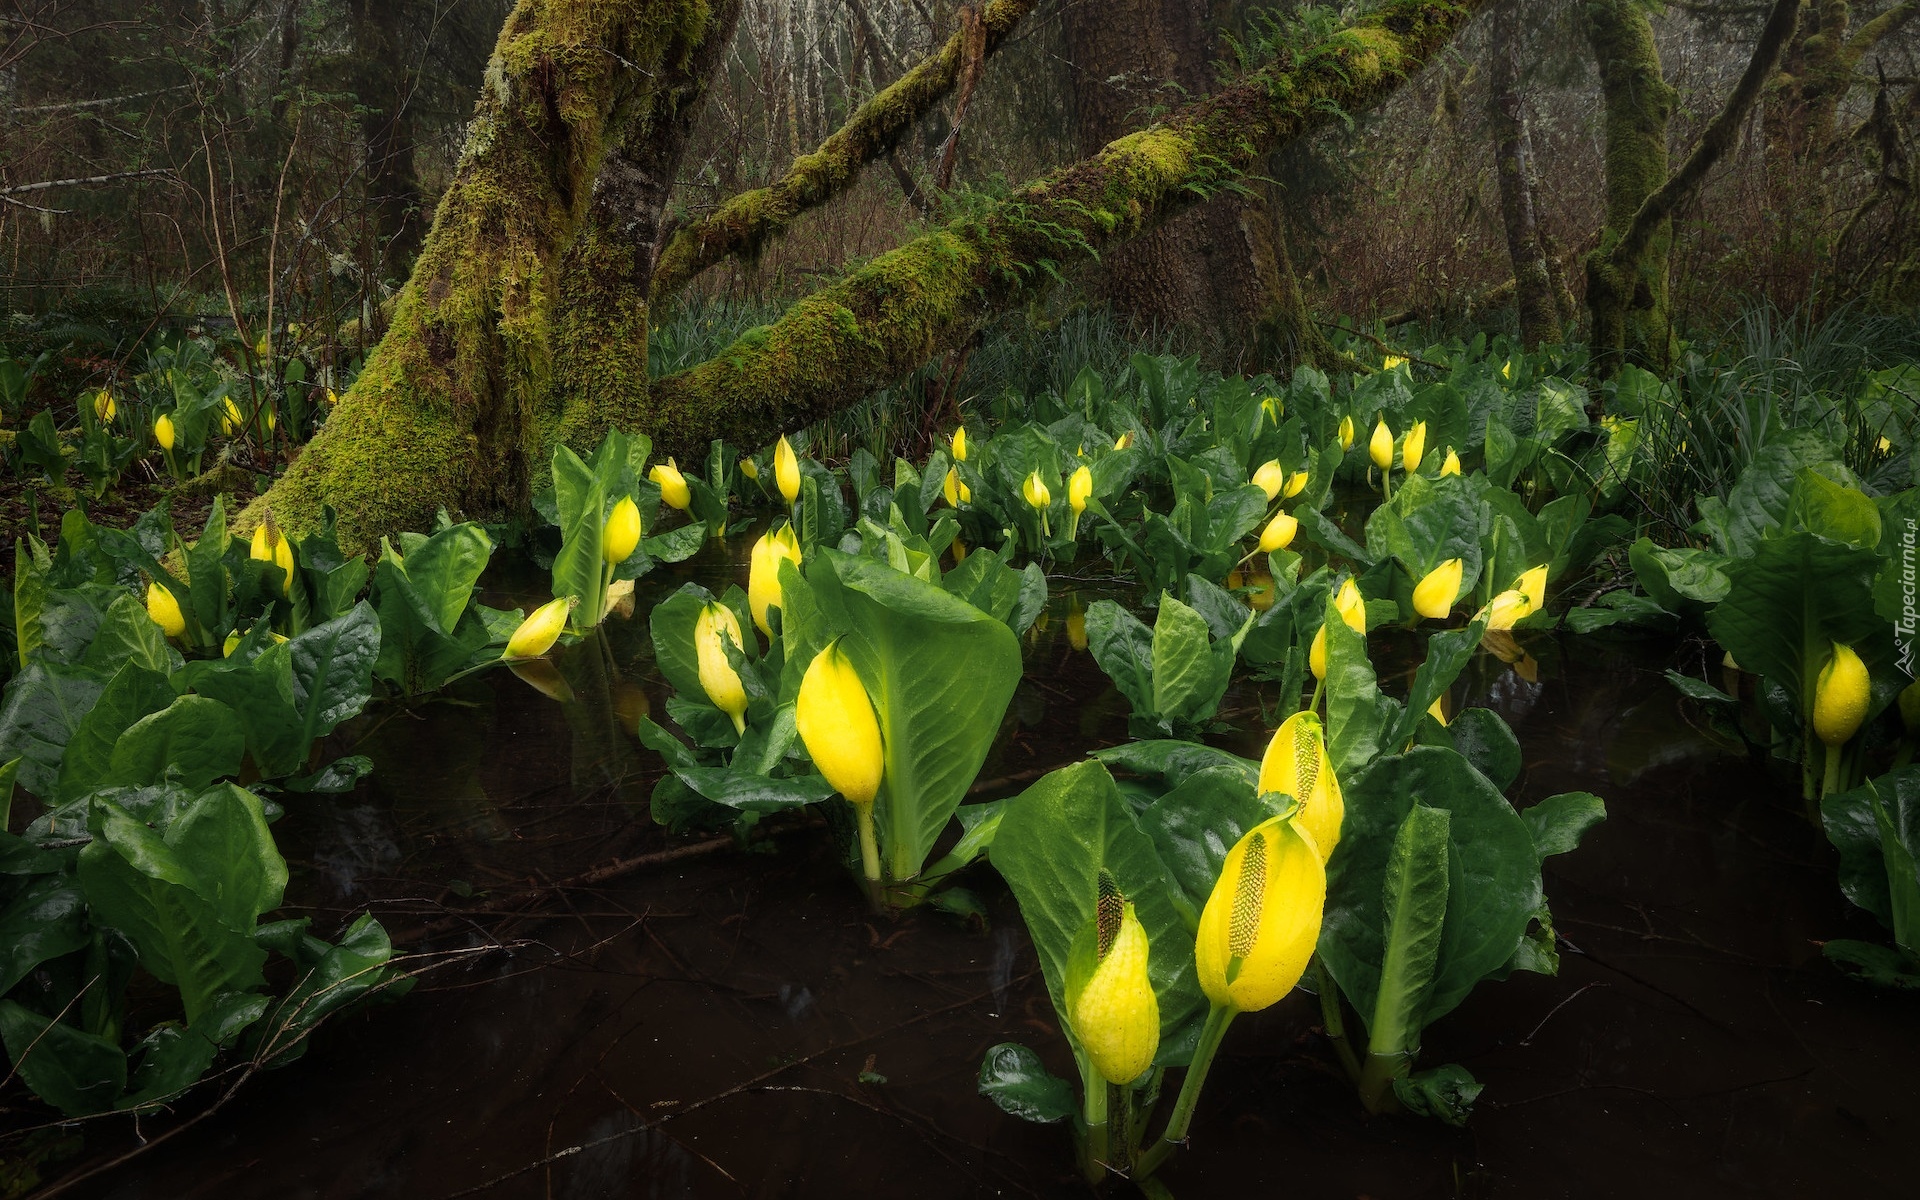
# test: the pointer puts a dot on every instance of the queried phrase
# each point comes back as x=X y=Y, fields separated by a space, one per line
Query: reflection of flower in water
x=352 y=843
x=797 y=999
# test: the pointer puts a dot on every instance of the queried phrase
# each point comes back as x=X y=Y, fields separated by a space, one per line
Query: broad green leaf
x=1761 y=498
x=1487 y=741
x=259 y=693
x=1013 y=1077
x=76 y=1072
x=1187 y=677
x=1445 y=1093
x=582 y=497
x=1447 y=655
x=1876 y=829
x=138 y=884
x=1833 y=510
x=1054 y=839
x=1882 y=966
x=44 y=707
x=1557 y=823
x=344 y=975
x=223 y=834
x=1174 y=762
x=333 y=664
x=194 y=739
x=748 y=792
x=29 y=595
x=445 y=568
x=940 y=673
x=671 y=626
x=1683 y=581
x=46 y=920
x=1123 y=646
x=1414 y=897
x=129 y=635
x=1194 y=825
x=134 y=692
x=1358 y=716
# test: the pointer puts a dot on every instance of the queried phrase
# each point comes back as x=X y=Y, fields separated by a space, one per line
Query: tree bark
x=450 y=406
x=1513 y=167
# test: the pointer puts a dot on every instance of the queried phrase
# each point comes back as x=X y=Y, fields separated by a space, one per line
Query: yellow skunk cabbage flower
x=1534 y=584
x=540 y=630
x=233 y=641
x=230 y=418
x=960 y=444
x=1123 y=441
x=1414 y=448
x=1352 y=607
x=1840 y=698
x=165 y=611
x=1273 y=408
x=1080 y=489
x=763 y=575
x=1114 y=1012
x=959 y=552
x=1884 y=446
x=1438 y=709
x=1262 y=591
x=1346 y=433
x=1506 y=369
x=1380 y=446
x=1077 y=629
x=1270 y=477
x=750 y=469
x=835 y=718
x=622 y=531
x=673 y=485
x=955 y=490
x=1450 y=465
x=1296 y=763
x=1262 y=921
x=1393 y=360
x=717 y=676
x=1296 y=483
x=1433 y=596
x=1278 y=534
x=104 y=407
x=1035 y=491
x=786 y=470
x=1508 y=608
x=333 y=397
x=163 y=431
x=270 y=546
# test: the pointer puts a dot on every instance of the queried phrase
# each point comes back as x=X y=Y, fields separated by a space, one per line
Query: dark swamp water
x=733 y=1023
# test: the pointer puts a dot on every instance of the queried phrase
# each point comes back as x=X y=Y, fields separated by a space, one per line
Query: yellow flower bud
x=763 y=574
x=1506 y=369
x=333 y=398
x=717 y=676
x=1079 y=489
x=1262 y=921
x=1393 y=360
x=1414 y=448
x=1270 y=477
x=1278 y=534
x=956 y=492
x=540 y=630
x=960 y=444
x=1114 y=1012
x=1433 y=596
x=1380 y=446
x=835 y=719
x=270 y=546
x=786 y=470
x=673 y=485
x=1352 y=607
x=165 y=611
x=230 y=417
x=1296 y=483
x=1438 y=709
x=622 y=532
x=1840 y=698
x=1508 y=608
x=1123 y=441
x=1035 y=491
x=1346 y=433
x=103 y=406
x=959 y=552
x=1450 y=465
x=750 y=468
x=163 y=431
x=1296 y=763
x=1534 y=584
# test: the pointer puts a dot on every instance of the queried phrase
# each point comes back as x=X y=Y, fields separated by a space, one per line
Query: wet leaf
x=1014 y=1078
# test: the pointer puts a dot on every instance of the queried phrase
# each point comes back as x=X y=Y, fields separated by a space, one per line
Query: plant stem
x=1319 y=686
x=1093 y=1152
x=1830 y=783
x=1123 y=1152
x=869 y=854
x=1376 y=1079
x=1333 y=1018
x=1218 y=1018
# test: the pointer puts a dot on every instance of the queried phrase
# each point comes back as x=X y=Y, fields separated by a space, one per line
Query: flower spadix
x=786 y=470
x=1434 y=595
x=1296 y=763
x=1270 y=477
x=1110 y=1000
x=763 y=573
x=165 y=611
x=673 y=485
x=835 y=718
x=1840 y=697
x=717 y=676
x=622 y=531
x=1380 y=446
x=540 y=630
x=1262 y=921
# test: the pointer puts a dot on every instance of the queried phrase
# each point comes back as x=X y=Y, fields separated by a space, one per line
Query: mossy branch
x=1718 y=138
x=745 y=223
x=936 y=291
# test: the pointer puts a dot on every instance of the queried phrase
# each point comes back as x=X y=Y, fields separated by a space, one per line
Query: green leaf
x=1832 y=510
x=129 y=635
x=76 y=1072
x=345 y=974
x=1763 y=495
x=671 y=626
x=138 y=884
x=1487 y=741
x=46 y=920
x=194 y=739
x=259 y=693
x=445 y=568
x=44 y=707
x=223 y=835
x=749 y=792
x=1445 y=1093
x=1188 y=677
x=134 y=692
x=1054 y=839
x=1358 y=716
x=940 y=673
x=1682 y=581
x=1013 y=1077
x=583 y=500
x=1559 y=822
x=1194 y=825
x=1123 y=647
x=1414 y=892
x=333 y=665
x=1881 y=966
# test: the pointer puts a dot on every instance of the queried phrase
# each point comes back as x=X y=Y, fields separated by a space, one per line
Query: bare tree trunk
x=1513 y=167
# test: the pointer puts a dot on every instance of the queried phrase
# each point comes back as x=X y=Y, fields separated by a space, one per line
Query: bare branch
x=20 y=189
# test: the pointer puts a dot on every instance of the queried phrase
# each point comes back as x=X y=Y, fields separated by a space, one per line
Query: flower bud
x=1035 y=491
x=960 y=444
x=1079 y=489
x=537 y=634
x=1840 y=698
x=1434 y=595
x=165 y=611
x=1270 y=477
x=1450 y=465
x=717 y=676
x=1113 y=1010
x=673 y=485
x=1414 y=448
x=1123 y=441
x=835 y=719
x=1346 y=433
x=1278 y=534
x=163 y=431
x=1534 y=584
x=270 y=546
x=1380 y=446
x=1296 y=483
x=622 y=532
x=750 y=469
x=786 y=470
x=763 y=574
x=1508 y=608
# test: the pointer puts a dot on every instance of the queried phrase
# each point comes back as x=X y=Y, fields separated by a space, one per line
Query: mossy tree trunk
x=1513 y=168
x=1627 y=291
x=450 y=408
